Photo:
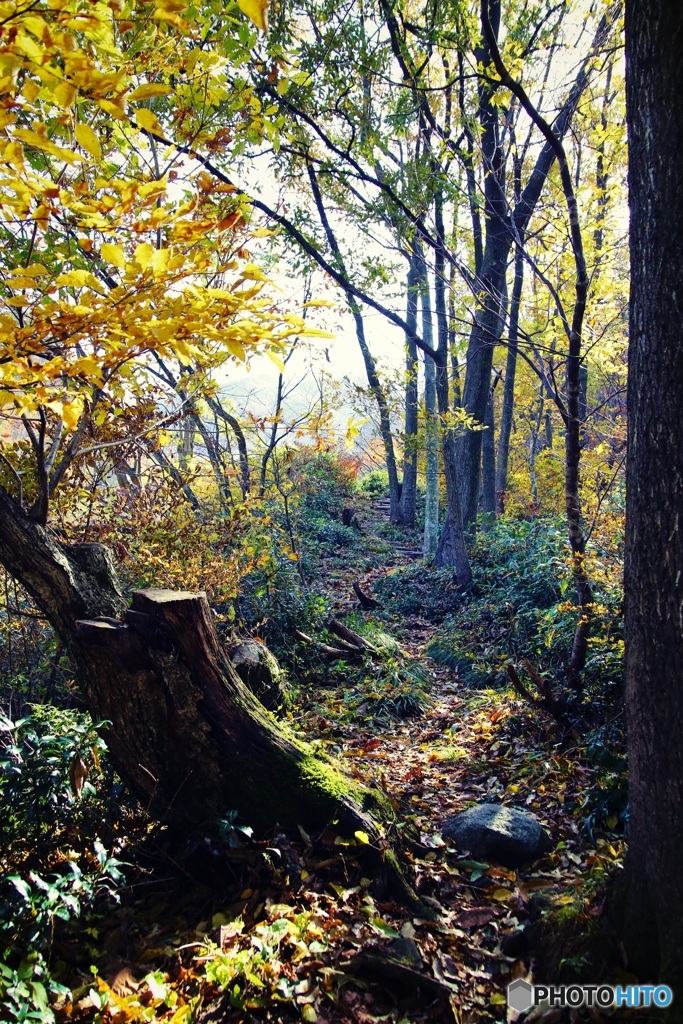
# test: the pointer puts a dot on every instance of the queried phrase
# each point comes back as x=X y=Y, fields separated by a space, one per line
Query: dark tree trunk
x=189 y=736
x=186 y=734
x=654 y=532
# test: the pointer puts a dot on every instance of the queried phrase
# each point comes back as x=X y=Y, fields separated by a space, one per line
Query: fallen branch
x=344 y=651
x=547 y=702
x=366 y=602
x=357 y=641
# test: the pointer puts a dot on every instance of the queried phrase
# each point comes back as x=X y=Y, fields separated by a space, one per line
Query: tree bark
x=431 y=527
x=407 y=510
x=488 y=466
x=509 y=386
x=654 y=532
x=451 y=549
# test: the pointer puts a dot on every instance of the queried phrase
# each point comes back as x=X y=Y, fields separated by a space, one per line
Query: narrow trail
x=467 y=747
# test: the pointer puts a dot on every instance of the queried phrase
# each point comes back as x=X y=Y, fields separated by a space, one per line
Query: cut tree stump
x=191 y=738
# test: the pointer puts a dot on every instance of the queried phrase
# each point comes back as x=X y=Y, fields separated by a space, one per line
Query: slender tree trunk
x=245 y=474
x=383 y=407
x=409 y=484
x=654 y=504
x=431 y=528
x=452 y=548
x=488 y=466
x=368 y=360
x=509 y=386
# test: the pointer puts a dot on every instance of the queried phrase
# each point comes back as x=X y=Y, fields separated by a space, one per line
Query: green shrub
x=420 y=590
x=522 y=606
x=336 y=535
x=375 y=483
x=54 y=859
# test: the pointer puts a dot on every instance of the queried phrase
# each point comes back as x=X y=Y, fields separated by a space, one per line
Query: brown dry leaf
x=78 y=775
x=475 y=917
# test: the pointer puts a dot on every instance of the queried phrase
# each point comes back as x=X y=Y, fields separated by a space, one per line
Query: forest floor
x=290 y=928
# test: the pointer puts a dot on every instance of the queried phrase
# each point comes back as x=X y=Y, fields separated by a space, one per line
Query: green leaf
x=21 y=884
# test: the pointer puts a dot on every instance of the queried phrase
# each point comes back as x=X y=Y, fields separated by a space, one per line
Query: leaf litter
x=292 y=928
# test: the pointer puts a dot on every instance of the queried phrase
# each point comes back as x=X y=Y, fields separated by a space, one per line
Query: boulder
x=504 y=834
x=258 y=669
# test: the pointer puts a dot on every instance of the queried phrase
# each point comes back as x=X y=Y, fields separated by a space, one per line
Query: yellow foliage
x=71 y=180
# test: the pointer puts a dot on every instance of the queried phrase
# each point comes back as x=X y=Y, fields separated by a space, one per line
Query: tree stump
x=190 y=737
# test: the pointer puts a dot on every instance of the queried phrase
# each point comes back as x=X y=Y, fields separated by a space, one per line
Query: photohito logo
x=523 y=996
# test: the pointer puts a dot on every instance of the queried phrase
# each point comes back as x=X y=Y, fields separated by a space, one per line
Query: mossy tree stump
x=190 y=737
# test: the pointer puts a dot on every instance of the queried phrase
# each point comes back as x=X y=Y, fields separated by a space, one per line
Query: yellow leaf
x=236 y=350
x=113 y=254
x=115 y=109
x=275 y=358
x=30 y=91
x=71 y=414
x=363 y=838
x=251 y=272
x=147 y=120
x=64 y=94
x=153 y=188
x=150 y=89
x=256 y=11
x=14 y=154
x=170 y=6
x=144 y=254
x=89 y=367
x=79 y=279
x=88 y=140
x=160 y=259
x=39 y=141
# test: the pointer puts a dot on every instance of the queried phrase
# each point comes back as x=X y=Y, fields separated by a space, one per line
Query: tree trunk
x=654 y=533
x=451 y=550
x=368 y=359
x=509 y=386
x=409 y=484
x=189 y=737
x=431 y=527
x=383 y=408
x=501 y=230
x=186 y=734
x=488 y=466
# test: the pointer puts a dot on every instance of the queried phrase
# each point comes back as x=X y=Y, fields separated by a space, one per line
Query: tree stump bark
x=191 y=738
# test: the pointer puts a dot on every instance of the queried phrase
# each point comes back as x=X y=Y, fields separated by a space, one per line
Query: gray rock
x=503 y=834
x=259 y=670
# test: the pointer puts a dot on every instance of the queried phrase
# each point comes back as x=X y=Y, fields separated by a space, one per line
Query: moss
x=326 y=779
